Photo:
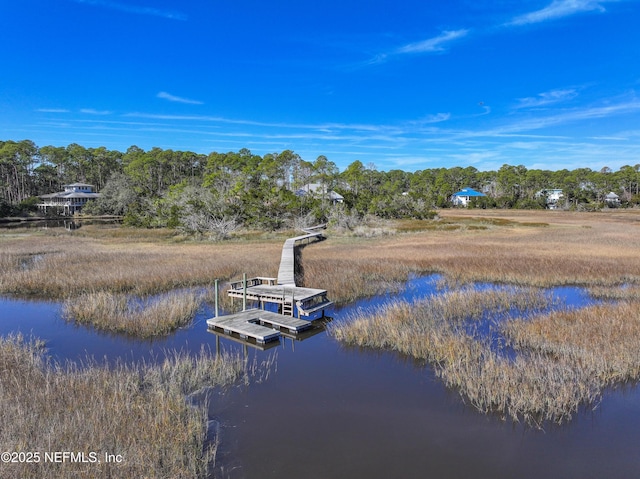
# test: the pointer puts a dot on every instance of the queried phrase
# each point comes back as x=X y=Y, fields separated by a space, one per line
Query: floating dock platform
x=257 y=325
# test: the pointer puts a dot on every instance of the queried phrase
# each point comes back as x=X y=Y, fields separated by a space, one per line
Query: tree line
x=199 y=192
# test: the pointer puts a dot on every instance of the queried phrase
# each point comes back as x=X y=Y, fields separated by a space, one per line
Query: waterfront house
x=464 y=196
x=69 y=201
x=552 y=197
x=612 y=199
x=318 y=190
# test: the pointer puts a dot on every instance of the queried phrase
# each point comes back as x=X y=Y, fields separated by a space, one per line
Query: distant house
x=464 y=196
x=612 y=199
x=317 y=190
x=552 y=197
x=69 y=201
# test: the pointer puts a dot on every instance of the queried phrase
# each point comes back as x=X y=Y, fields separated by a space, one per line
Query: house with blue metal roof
x=464 y=196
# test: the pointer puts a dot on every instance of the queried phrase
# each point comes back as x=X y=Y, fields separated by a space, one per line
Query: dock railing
x=257 y=281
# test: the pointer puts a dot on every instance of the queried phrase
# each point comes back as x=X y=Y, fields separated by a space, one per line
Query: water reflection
x=68 y=341
x=68 y=223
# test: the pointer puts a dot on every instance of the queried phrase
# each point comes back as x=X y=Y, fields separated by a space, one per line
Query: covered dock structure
x=281 y=304
x=285 y=299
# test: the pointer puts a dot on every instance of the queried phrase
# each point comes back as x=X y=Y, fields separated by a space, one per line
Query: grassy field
x=535 y=248
x=539 y=248
x=59 y=264
x=93 y=269
x=543 y=248
x=139 y=413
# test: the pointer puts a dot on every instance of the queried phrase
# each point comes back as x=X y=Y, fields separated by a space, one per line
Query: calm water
x=68 y=223
x=330 y=411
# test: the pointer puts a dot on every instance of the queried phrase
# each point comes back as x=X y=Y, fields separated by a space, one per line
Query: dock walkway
x=287 y=270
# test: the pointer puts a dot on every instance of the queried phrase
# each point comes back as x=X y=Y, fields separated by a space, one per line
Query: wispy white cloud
x=558 y=9
x=177 y=99
x=610 y=138
x=622 y=108
x=610 y=110
x=547 y=98
x=437 y=44
x=420 y=128
x=91 y=111
x=428 y=128
x=433 y=45
x=232 y=121
x=429 y=119
x=53 y=110
x=136 y=9
x=437 y=118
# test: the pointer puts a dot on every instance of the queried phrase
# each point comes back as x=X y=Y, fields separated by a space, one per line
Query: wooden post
x=216 y=298
x=244 y=291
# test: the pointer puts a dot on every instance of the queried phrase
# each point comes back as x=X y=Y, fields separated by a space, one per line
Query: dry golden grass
x=603 y=340
x=626 y=292
x=544 y=248
x=423 y=329
x=138 y=412
x=66 y=265
x=120 y=313
x=536 y=386
x=540 y=248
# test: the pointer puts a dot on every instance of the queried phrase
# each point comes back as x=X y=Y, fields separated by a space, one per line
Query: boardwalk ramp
x=287 y=270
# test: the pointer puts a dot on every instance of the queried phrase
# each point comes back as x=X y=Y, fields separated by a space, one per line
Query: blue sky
x=407 y=84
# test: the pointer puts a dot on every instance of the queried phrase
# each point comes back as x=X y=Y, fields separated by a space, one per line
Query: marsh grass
x=541 y=249
x=411 y=328
x=535 y=248
x=543 y=382
x=623 y=292
x=121 y=313
x=348 y=279
x=72 y=265
x=140 y=412
x=225 y=302
x=602 y=339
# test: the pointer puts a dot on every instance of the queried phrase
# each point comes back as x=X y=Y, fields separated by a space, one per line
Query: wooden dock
x=289 y=300
x=287 y=271
x=316 y=328
x=281 y=302
x=257 y=325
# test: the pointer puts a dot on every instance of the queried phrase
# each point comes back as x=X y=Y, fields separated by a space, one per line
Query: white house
x=317 y=190
x=464 y=196
x=553 y=197
x=69 y=201
x=612 y=199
